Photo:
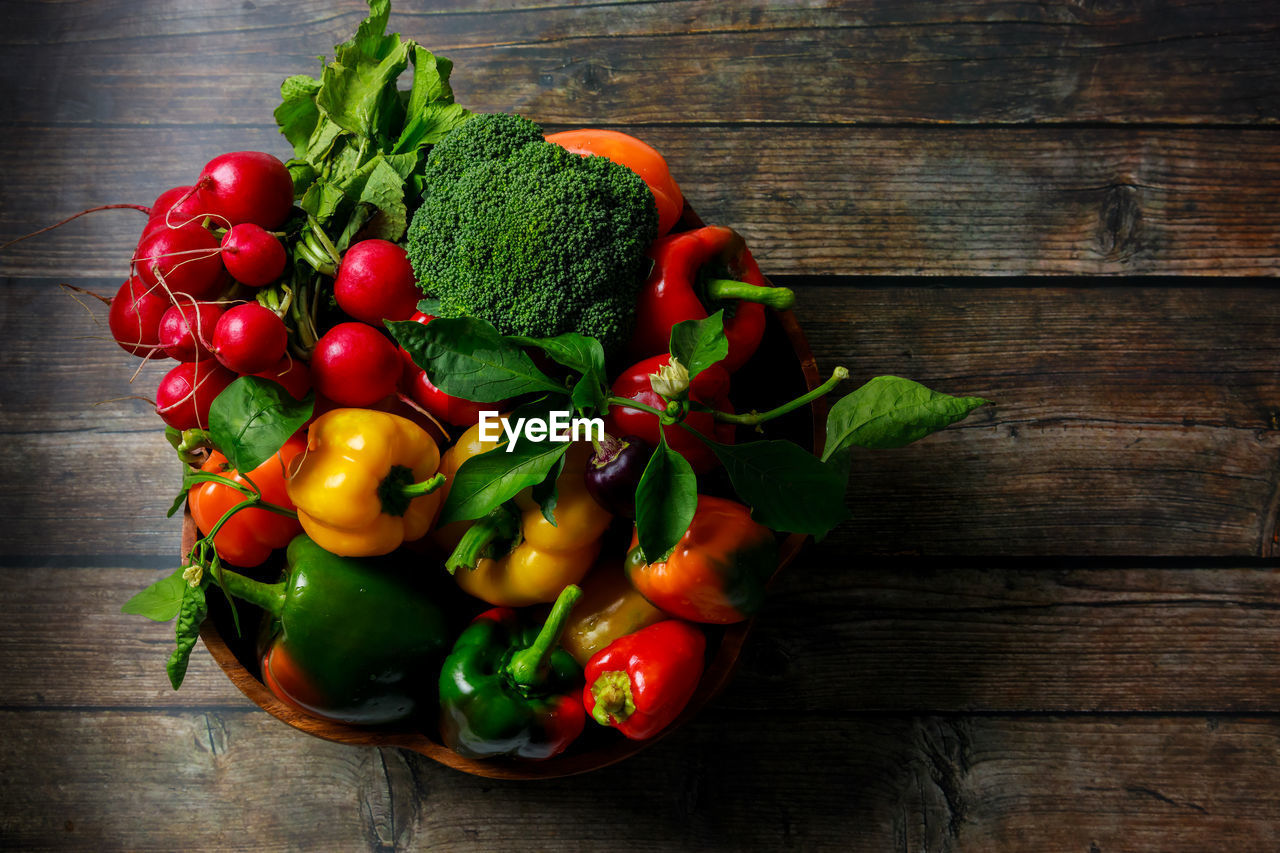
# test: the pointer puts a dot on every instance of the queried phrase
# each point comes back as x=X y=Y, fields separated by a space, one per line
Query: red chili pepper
x=696 y=273
x=641 y=682
x=451 y=410
x=710 y=387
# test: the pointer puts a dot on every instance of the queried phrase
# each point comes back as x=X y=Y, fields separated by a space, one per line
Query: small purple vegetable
x=613 y=473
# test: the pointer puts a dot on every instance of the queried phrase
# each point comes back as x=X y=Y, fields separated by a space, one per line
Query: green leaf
x=666 y=499
x=357 y=90
x=485 y=481
x=786 y=486
x=187 y=630
x=466 y=357
x=298 y=114
x=377 y=196
x=546 y=493
x=252 y=418
x=159 y=602
x=580 y=353
x=698 y=344
x=892 y=412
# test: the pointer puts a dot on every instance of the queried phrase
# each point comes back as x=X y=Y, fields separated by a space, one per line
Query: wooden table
x=1053 y=627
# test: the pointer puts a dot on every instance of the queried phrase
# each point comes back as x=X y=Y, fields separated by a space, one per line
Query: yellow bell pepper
x=536 y=560
x=367 y=482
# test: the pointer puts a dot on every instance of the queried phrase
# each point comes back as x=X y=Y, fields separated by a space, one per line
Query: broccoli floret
x=532 y=238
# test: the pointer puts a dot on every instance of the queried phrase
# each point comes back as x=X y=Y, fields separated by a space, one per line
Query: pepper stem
x=268 y=596
x=525 y=666
x=499 y=524
x=614 y=700
x=727 y=289
x=397 y=489
x=838 y=375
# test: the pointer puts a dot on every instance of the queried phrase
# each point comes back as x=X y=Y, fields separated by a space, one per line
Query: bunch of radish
x=206 y=253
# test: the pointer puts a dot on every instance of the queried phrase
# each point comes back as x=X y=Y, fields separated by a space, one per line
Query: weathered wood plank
x=196 y=781
x=856 y=201
x=834 y=638
x=850 y=62
x=1131 y=421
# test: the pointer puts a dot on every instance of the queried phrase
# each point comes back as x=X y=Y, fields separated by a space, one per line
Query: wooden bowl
x=791 y=371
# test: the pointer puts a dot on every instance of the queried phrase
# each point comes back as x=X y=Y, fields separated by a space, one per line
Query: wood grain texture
x=881 y=635
x=861 y=782
x=851 y=62
x=845 y=201
x=972 y=662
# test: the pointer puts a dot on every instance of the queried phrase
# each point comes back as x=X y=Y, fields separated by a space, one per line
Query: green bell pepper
x=507 y=689
x=348 y=639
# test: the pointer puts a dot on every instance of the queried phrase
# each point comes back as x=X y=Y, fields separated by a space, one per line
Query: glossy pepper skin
x=710 y=387
x=610 y=608
x=718 y=570
x=638 y=156
x=545 y=557
x=696 y=273
x=641 y=682
x=367 y=482
x=346 y=639
x=249 y=536
x=506 y=690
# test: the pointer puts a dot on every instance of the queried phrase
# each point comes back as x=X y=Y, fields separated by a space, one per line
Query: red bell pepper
x=694 y=274
x=710 y=387
x=641 y=682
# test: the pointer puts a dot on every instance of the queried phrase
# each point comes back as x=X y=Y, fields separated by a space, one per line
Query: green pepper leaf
x=698 y=344
x=466 y=357
x=786 y=487
x=489 y=479
x=579 y=353
x=159 y=602
x=891 y=412
x=666 y=499
x=252 y=419
x=187 y=629
x=546 y=493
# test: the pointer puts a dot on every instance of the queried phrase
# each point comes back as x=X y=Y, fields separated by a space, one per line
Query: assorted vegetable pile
x=346 y=328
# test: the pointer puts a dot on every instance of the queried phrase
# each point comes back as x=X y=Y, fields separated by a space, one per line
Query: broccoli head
x=532 y=238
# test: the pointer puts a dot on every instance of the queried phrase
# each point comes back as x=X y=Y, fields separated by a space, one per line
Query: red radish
x=134 y=316
x=354 y=364
x=187 y=328
x=249 y=338
x=183 y=203
x=187 y=258
x=376 y=283
x=252 y=254
x=185 y=393
x=292 y=374
x=246 y=186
